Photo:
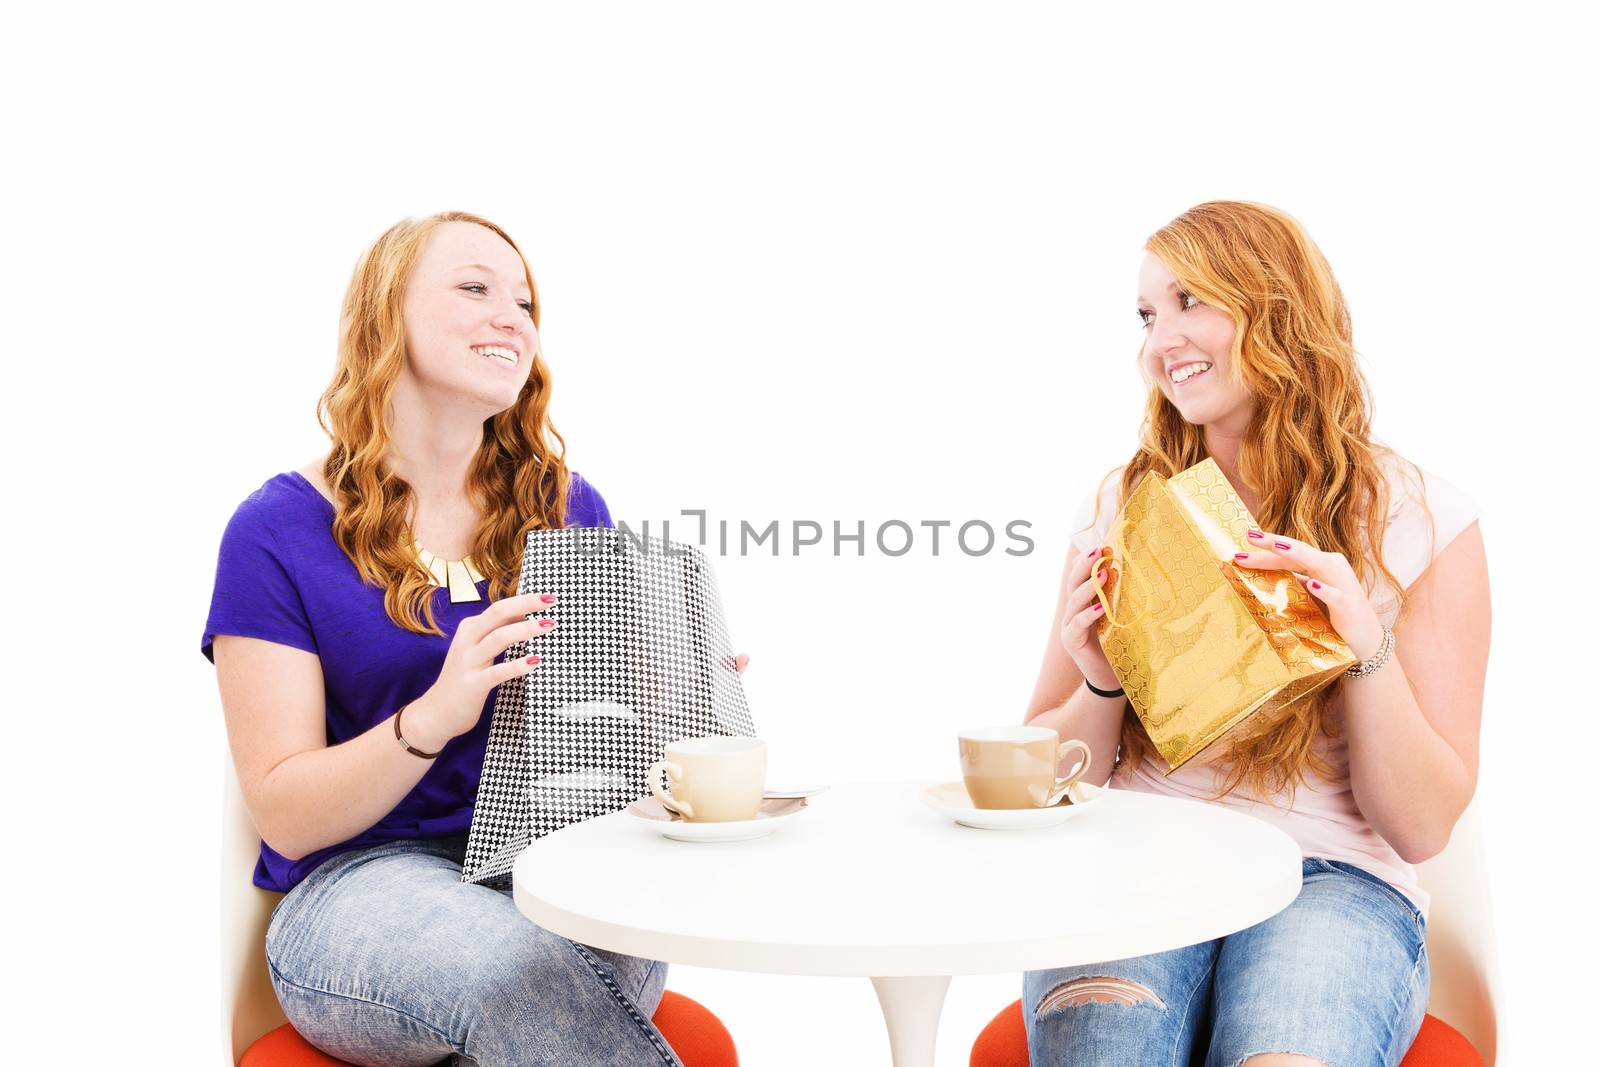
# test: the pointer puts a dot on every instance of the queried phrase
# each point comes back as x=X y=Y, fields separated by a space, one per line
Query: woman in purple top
x=360 y=611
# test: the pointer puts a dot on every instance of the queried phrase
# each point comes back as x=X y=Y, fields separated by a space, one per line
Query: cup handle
x=1064 y=784
x=674 y=774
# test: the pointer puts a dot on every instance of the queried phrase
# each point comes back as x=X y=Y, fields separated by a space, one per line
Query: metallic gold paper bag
x=1202 y=647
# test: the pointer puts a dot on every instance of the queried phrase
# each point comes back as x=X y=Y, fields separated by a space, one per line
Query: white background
x=816 y=262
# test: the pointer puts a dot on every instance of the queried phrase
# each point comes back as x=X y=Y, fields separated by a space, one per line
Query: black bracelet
x=404 y=743
x=1103 y=692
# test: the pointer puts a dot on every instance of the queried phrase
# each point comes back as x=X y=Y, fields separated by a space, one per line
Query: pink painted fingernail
x=1281 y=545
x=1316 y=585
x=1098 y=606
x=1257 y=534
x=545 y=624
x=1241 y=555
x=533 y=661
x=548 y=599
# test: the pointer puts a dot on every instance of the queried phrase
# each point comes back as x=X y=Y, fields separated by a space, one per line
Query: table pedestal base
x=911 y=1008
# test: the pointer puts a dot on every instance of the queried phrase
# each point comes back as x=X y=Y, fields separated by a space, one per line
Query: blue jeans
x=1340 y=975
x=383 y=956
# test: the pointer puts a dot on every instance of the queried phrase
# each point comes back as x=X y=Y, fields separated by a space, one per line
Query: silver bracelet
x=1379 y=658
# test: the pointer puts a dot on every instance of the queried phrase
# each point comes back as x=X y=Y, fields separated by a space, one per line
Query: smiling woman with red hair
x=357 y=661
x=1248 y=358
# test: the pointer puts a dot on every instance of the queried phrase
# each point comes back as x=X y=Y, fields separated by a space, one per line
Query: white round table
x=872 y=882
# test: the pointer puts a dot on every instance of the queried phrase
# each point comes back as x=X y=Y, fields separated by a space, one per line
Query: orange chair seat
x=695 y=1034
x=1004 y=1043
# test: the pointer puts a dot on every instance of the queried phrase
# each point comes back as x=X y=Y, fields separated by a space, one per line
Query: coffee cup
x=1015 y=766
x=714 y=779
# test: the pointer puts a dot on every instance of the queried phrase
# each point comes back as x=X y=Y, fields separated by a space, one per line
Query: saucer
x=794 y=792
x=951 y=799
x=773 y=813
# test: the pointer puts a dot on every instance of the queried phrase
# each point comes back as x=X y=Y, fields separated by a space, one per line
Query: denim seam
x=649 y=972
x=1419 y=925
x=603 y=973
x=1393 y=1028
x=1415 y=987
x=1211 y=969
x=440 y=1034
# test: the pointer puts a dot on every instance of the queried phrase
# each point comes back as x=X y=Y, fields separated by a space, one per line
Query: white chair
x=1461 y=950
x=249 y=1006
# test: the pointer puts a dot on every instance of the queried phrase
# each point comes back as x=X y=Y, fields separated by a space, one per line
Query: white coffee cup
x=1015 y=766
x=714 y=779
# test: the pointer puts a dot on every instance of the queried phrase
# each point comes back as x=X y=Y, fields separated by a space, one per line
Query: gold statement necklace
x=457 y=575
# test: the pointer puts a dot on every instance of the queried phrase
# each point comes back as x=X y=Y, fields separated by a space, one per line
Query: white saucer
x=951 y=799
x=773 y=813
x=794 y=792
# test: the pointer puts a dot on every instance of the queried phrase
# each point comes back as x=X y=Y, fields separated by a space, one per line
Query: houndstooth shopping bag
x=639 y=657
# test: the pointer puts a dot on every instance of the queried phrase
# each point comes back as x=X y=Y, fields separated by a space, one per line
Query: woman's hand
x=454 y=703
x=1330 y=578
x=1079 y=633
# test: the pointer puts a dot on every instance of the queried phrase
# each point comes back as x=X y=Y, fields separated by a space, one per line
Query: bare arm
x=304 y=794
x=1060 y=700
x=1413 y=726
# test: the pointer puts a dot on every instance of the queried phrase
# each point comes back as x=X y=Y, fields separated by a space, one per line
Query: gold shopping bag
x=1202 y=647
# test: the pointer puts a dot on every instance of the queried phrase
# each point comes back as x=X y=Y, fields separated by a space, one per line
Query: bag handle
x=1119 y=541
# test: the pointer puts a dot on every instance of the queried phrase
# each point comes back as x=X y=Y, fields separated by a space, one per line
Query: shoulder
x=256 y=593
x=1096 y=511
x=281 y=500
x=285 y=510
x=1102 y=496
x=1427 y=511
x=585 y=505
x=1419 y=496
x=312 y=475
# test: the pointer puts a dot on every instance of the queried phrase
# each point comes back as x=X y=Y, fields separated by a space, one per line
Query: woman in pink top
x=1248 y=358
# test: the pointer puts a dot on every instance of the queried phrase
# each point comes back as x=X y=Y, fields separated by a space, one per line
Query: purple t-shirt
x=281 y=577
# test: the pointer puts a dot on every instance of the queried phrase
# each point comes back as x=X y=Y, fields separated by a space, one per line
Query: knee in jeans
x=641 y=979
x=1096 y=990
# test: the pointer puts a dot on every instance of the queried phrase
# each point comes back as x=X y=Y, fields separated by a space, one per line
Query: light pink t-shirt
x=1323 y=818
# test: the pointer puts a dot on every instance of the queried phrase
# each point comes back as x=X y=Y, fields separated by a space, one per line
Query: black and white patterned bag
x=639 y=657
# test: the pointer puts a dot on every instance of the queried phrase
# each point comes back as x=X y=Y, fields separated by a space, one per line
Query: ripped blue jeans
x=1340 y=975
x=383 y=956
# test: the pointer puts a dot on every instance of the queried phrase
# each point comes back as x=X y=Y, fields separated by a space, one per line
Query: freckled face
x=1180 y=331
x=468 y=315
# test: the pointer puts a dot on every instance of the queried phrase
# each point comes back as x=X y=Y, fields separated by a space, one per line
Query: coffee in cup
x=714 y=779
x=1015 y=766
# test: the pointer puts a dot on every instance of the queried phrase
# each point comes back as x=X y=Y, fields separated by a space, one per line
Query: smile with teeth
x=505 y=355
x=1187 y=371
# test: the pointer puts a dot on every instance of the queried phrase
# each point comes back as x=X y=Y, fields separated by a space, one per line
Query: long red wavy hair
x=1307 y=452
x=518 y=480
